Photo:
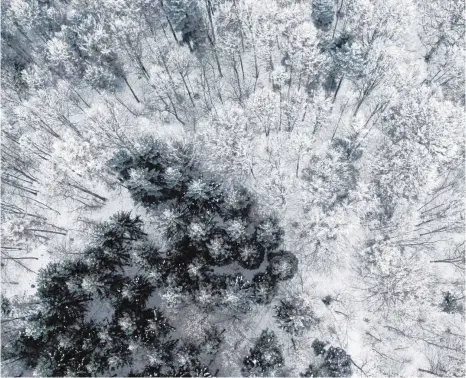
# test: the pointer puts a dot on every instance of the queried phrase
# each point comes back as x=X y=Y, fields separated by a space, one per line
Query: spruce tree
x=322 y=13
x=93 y=315
x=185 y=16
x=337 y=363
x=295 y=316
x=330 y=362
x=265 y=358
x=206 y=223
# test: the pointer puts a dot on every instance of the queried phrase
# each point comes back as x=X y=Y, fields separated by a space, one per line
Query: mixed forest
x=232 y=188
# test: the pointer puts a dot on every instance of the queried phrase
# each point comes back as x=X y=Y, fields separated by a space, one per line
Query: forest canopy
x=232 y=188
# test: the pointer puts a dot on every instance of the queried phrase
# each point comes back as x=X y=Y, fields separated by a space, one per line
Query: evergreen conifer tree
x=206 y=224
x=330 y=362
x=322 y=13
x=295 y=316
x=265 y=358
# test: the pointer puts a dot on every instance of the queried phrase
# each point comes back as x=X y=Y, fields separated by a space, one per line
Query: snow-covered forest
x=232 y=188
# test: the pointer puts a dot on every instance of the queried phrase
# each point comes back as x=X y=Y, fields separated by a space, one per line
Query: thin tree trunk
x=80 y=97
x=172 y=30
x=305 y=111
x=338 y=88
x=241 y=64
x=43 y=204
x=297 y=166
x=46 y=231
x=429 y=372
x=280 y=112
x=256 y=66
x=103 y=199
x=20 y=258
x=338 y=18
x=209 y=13
x=174 y=110
x=339 y=119
x=239 y=83
x=215 y=55
x=21 y=264
x=14 y=185
x=25 y=175
x=131 y=89
x=187 y=89
x=125 y=106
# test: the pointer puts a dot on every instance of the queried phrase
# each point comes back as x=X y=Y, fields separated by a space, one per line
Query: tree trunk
x=336 y=91
x=338 y=123
x=209 y=13
x=131 y=89
x=215 y=55
x=338 y=18
x=239 y=83
x=103 y=199
x=46 y=231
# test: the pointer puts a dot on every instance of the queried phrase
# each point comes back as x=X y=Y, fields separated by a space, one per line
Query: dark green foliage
x=311 y=371
x=330 y=83
x=322 y=13
x=265 y=358
x=90 y=318
x=186 y=17
x=349 y=148
x=295 y=316
x=212 y=341
x=206 y=223
x=61 y=306
x=337 y=363
x=120 y=231
x=318 y=347
x=282 y=265
x=450 y=304
x=134 y=293
x=185 y=363
x=341 y=44
x=25 y=347
x=327 y=300
x=163 y=173
x=113 y=242
x=189 y=365
x=269 y=234
x=56 y=354
x=263 y=288
x=6 y=305
x=331 y=362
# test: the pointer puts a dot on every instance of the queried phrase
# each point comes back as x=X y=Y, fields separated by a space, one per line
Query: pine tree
x=186 y=16
x=91 y=320
x=450 y=304
x=5 y=305
x=263 y=287
x=322 y=13
x=206 y=223
x=330 y=362
x=310 y=371
x=295 y=316
x=337 y=363
x=265 y=358
x=282 y=265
